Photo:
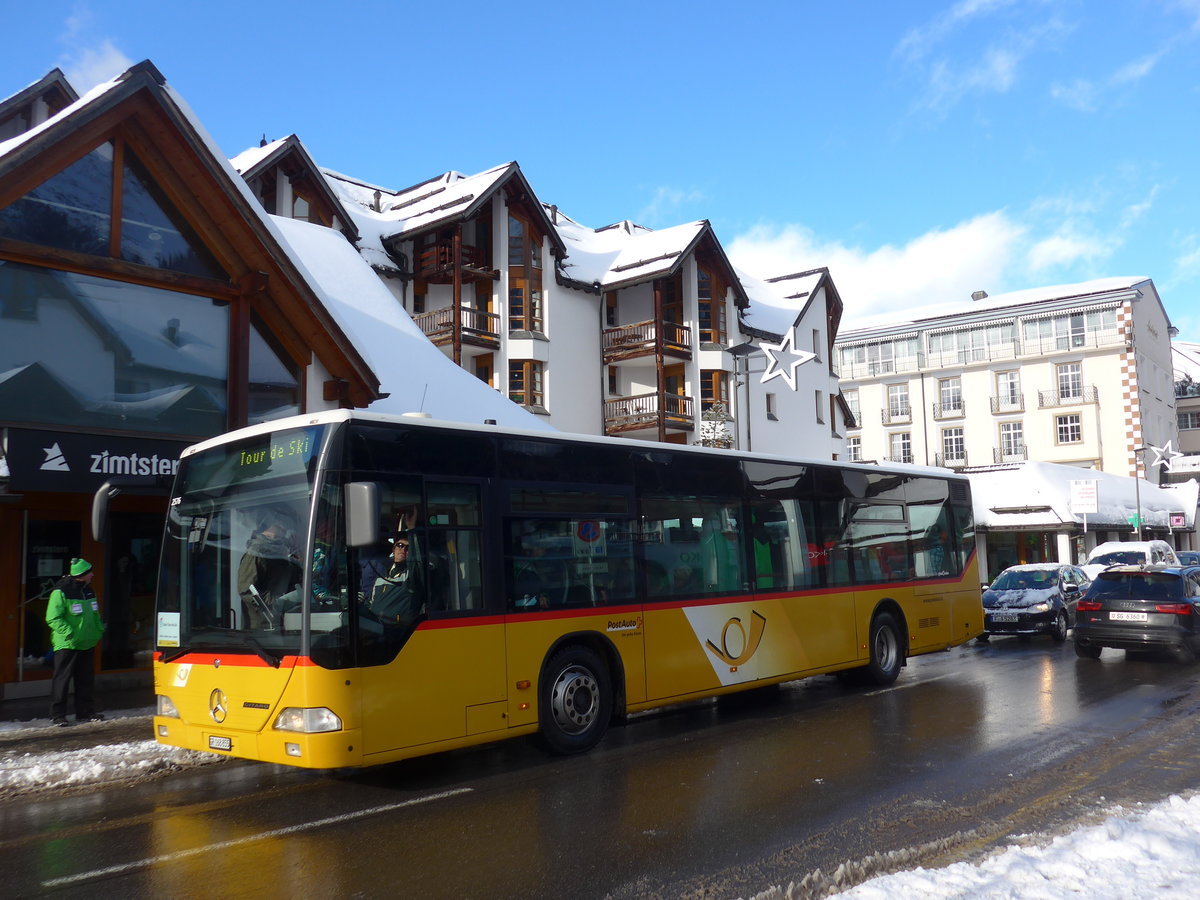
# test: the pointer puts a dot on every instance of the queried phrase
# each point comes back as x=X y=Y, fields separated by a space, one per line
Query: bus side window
x=454 y=557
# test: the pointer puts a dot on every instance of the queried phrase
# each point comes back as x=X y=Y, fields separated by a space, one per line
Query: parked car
x=1188 y=557
x=1038 y=598
x=1141 y=608
x=1128 y=553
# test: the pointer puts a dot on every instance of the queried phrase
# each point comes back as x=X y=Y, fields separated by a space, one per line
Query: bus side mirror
x=362 y=513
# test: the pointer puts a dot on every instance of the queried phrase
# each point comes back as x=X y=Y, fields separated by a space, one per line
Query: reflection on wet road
x=720 y=799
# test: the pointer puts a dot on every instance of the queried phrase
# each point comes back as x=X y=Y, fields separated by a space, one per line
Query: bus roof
x=419 y=420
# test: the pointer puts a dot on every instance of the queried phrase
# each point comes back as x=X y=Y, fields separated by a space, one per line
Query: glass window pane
x=107 y=354
x=71 y=210
x=153 y=232
x=274 y=389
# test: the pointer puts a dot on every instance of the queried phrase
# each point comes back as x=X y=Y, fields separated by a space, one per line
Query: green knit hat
x=79 y=566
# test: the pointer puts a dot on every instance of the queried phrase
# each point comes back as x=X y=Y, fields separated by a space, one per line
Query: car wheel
x=1086 y=651
x=983 y=638
x=887 y=654
x=576 y=700
x=1059 y=632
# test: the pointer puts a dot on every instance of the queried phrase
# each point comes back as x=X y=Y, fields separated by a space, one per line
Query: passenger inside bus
x=269 y=569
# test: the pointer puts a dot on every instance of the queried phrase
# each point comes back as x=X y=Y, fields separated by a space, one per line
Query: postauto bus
x=550 y=584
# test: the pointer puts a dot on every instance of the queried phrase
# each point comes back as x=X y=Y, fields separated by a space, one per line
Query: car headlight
x=1044 y=606
x=307 y=720
x=165 y=707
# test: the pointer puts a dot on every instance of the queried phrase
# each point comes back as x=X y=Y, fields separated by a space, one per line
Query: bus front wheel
x=576 y=700
x=887 y=655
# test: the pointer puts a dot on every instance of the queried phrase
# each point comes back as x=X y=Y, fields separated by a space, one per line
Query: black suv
x=1141 y=608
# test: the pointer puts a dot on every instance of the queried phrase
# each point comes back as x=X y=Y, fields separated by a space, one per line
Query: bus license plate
x=1004 y=617
x=216 y=742
x=1127 y=617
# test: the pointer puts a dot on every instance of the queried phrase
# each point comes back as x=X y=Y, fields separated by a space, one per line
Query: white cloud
x=664 y=202
x=919 y=42
x=1066 y=248
x=91 y=66
x=88 y=60
x=1080 y=94
x=936 y=267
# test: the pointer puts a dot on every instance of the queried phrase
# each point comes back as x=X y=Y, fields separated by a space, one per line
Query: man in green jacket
x=73 y=615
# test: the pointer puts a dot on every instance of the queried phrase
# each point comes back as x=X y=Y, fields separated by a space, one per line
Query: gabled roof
x=384 y=216
x=291 y=154
x=246 y=235
x=778 y=304
x=626 y=253
x=52 y=87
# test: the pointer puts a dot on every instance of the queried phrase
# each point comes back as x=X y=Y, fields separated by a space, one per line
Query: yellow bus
x=348 y=589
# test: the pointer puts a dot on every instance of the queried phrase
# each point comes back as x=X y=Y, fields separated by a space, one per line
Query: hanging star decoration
x=783 y=359
x=1164 y=456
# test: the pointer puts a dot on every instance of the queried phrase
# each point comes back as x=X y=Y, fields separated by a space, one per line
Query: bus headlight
x=166 y=707
x=309 y=720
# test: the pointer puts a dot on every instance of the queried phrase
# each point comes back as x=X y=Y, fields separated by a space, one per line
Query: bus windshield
x=236 y=533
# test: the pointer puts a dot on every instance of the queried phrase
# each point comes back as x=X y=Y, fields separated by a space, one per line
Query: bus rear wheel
x=887 y=654
x=576 y=700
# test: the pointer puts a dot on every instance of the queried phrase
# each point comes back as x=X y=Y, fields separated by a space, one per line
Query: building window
x=973 y=344
x=610 y=309
x=854 y=449
x=817 y=344
x=954 y=446
x=710 y=296
x=525 y=382
x=851 y=398
x=301 y=208
x=820 y=401
x=1012 y=440
x=900 y=447
x=1070 y=331
x=714 y=388
x=950 y=395
x=612 y=381
x=898 y=400
x=772 y=410
x=1070 y=381
x=107 y=204
x=1069 y=428
x=1189 y=420
x=525 y=311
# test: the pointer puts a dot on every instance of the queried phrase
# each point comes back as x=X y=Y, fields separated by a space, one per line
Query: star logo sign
x=1164 y=456
x=783 y=359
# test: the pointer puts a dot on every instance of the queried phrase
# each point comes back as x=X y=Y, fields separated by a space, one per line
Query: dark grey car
x=1141 y=608
x=1038 y=598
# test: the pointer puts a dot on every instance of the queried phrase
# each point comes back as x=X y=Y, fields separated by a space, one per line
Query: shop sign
x=66 y=461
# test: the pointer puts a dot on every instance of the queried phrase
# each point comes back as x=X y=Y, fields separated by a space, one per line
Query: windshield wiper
x=173 y=654
x=262 y=651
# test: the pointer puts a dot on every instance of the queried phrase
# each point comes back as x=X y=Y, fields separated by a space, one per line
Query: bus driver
x=395 y=597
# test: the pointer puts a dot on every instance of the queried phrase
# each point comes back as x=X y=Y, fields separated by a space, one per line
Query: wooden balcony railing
x=646 y=410
x=435 y=260
x=477 y=326
x=638 y=338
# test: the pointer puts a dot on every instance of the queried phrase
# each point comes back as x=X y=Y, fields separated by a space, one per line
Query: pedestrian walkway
x=124 y=697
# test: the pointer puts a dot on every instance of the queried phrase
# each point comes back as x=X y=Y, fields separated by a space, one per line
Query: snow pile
x=1145 y=853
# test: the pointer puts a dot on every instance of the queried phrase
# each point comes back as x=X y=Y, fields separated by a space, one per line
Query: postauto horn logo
x=748 y=645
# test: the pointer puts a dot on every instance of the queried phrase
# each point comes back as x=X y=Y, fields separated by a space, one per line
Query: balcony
x=1011 y=453
x=956 y=409
x=479 y=328
x=859 y=371
x=1009 y=403
x=1084 y=394
x=896 y=415
x=956 y=460
x=623 y=414
x=640 y=339
x=946 y=359
x=435 y=263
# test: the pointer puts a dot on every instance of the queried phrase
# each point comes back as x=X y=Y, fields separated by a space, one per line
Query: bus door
x=433 y=666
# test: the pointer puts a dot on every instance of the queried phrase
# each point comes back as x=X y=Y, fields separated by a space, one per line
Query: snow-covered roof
x=1038 y=495
x=624 y=253
x=417 y=375
x=923 y=316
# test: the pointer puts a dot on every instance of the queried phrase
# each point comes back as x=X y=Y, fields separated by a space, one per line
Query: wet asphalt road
x=968 y=749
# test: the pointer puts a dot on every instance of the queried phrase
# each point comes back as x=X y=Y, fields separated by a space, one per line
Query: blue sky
x=920 y=150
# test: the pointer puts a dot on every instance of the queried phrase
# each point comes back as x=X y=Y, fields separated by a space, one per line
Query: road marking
x=266 y=835
x=907 y=684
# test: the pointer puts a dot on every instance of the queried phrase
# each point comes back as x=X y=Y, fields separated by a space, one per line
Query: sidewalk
x=122 y=696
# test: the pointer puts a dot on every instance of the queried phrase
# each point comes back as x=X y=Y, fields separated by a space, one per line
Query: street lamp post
x=1137 y=491
x=741 y=370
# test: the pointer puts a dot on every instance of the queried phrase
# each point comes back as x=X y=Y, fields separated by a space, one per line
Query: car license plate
x=1004 y=617
x=1127 y=617
x=216 y=742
